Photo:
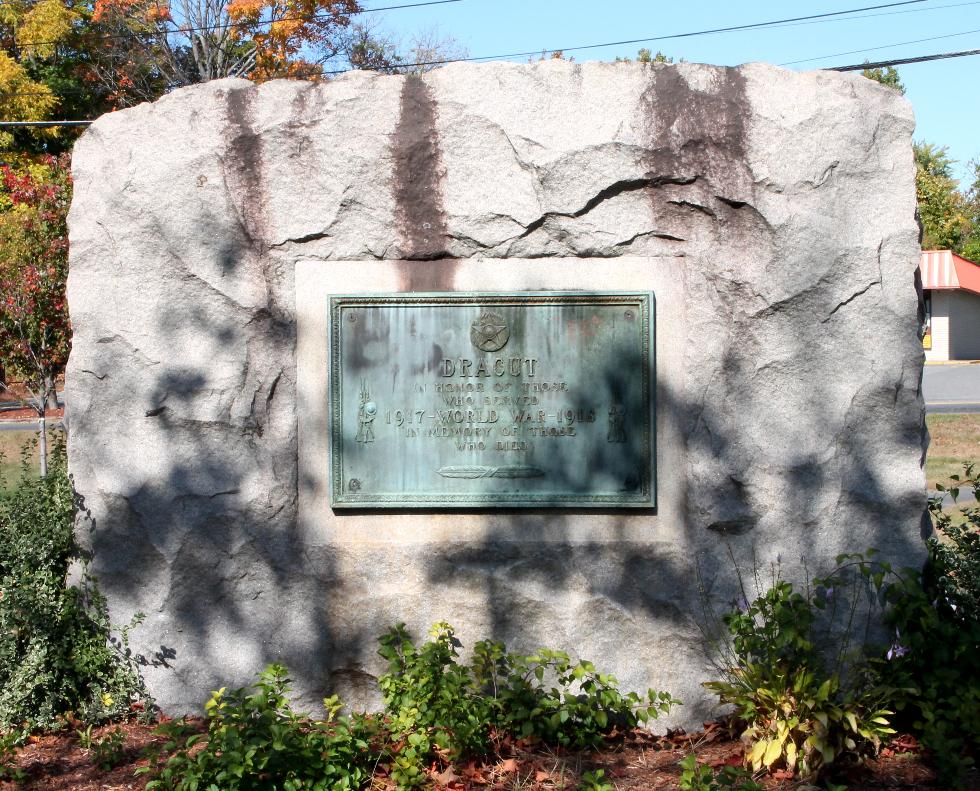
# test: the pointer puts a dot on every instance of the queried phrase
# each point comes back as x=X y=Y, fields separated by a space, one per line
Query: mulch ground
x=631 y=762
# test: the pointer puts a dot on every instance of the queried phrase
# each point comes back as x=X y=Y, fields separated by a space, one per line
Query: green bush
x=437 y=710
x=697 y=777
x=445 y=708
x=9 y=742
x=807 y=696
x=56 y=655
x=802 y=706
x=256 y=741
x=934 y=660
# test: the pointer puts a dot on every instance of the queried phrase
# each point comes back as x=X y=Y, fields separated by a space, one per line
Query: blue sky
x=944 y=93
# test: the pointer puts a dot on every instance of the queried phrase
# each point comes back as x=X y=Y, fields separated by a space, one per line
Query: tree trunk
x=50 y=392
x=43 y=447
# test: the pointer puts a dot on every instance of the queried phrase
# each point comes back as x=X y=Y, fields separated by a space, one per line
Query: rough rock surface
x=784 y=201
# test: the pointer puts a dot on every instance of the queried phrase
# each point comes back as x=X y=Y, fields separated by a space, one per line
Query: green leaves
x=437 y=710
x=256 y=741
x=56 y=649
x=933 y=662
x=798 y=715
x=697 y=777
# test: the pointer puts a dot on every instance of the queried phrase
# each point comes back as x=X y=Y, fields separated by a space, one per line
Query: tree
x=943 y=208
x=886 y=76
x=370 y=49
x=154 y=46
x=23 y=95
x=34 y=327
x=971 y=246
x=644 y=55
x=429 y=50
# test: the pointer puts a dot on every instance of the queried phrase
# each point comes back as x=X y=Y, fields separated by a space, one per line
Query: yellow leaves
x=47 y=22
x=773 y=751
x=21 y=99
x=11 y=13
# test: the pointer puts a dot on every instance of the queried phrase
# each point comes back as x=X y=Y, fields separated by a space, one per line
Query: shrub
x=934 y=660
x=9 y=742
x=802 y=705
x=437 y=710
x=56 y=655
x=256 y=741
x=438 y=704
x=697 y=777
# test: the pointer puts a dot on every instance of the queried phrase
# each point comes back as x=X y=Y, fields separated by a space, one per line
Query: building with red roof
x=951 y=286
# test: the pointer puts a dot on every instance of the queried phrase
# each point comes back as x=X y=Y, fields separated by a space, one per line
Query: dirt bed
x=631 y=762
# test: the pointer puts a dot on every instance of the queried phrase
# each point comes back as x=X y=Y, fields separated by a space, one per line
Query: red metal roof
x=944 y=269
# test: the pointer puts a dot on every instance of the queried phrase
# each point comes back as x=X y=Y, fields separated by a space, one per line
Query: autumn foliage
x=292 y=38
x=34 y=327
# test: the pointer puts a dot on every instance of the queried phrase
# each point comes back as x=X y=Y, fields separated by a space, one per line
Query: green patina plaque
x=492 y=400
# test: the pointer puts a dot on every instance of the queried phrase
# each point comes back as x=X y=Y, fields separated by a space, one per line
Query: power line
x=808 y=19
x=754 y=25
x=228 y=26
x=772 y=23
x=902 y=61
x=729 y=29
x=44 y=123
x=854 y=67
x=883 y=13
x=883 y=46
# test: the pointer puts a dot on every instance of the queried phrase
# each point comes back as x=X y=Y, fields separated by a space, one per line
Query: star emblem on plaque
x=490 y=332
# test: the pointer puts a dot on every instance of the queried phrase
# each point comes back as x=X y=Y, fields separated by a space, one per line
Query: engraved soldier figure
x=616 y=431
x=366 y=413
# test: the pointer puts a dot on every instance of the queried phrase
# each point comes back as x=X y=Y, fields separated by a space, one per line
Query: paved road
x=27 y=425
x=952 y=388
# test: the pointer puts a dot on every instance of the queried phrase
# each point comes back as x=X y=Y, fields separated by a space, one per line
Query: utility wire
x=853 y=67
x=733 y=28
x=44 y=123
x=772 y=23
x=755 y=25
x=809 y=19
x=883 y=46
x=882 y=13
x=729 y=29
x=902 y=61
x=229 y=25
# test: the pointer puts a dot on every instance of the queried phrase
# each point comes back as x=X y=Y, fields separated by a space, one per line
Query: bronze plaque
x=490 y=400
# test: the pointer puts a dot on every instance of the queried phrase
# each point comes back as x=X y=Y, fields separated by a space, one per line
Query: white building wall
x=940 y=327
x=964 y=325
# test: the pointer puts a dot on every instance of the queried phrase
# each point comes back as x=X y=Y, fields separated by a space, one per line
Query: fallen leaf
x=446 y=778
x=508 y=766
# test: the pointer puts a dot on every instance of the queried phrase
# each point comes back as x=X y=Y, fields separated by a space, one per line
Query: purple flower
x=897 y=651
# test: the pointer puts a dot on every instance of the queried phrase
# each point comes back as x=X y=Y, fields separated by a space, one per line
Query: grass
x=954 y=439
x=12 y=444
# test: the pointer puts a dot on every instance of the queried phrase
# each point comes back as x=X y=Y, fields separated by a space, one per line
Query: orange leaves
x=245 y=10
x=158 y=13
x=282 y=29
x=105 y=9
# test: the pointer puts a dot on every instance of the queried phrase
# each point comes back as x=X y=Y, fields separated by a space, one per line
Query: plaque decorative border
x=349 y=496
